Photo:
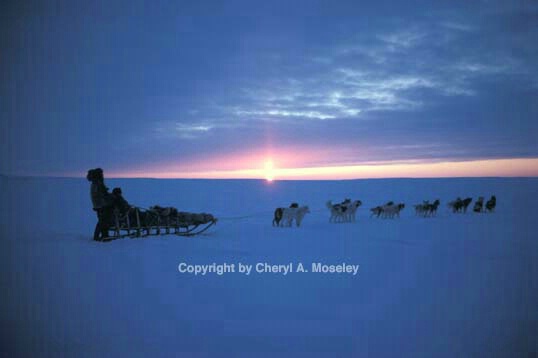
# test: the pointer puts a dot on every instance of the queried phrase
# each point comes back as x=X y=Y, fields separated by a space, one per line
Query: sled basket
x=138 y=222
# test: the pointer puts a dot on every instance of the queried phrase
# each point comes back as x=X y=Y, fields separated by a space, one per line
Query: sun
x=269 y=170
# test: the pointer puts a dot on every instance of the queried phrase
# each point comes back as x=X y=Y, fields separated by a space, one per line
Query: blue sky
x=190 y=86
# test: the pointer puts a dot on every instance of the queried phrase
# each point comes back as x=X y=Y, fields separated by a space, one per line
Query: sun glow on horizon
x=269 y=170
x=516 y=167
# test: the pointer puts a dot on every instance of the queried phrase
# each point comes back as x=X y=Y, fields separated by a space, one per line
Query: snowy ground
x=453 y=285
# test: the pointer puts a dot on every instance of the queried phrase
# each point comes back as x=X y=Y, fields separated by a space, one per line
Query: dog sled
x=155 y=221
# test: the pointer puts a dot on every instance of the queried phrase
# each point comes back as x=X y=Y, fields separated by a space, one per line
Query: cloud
x=478 y=68
x=192 y=131
x=394 y=65
x=393 y=72
x=453 y=25
x=401 y=40
x=284 y=113
x=171 y=129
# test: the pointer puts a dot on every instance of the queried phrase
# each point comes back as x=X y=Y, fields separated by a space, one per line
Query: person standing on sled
x=102 y=203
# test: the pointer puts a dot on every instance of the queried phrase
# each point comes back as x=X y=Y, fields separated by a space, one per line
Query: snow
x=452 y=285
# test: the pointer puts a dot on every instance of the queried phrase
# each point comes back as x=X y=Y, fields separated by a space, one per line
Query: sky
x=269 y=89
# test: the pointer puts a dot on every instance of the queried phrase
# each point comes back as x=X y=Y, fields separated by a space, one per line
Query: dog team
x=346 y=210
x=460 y=206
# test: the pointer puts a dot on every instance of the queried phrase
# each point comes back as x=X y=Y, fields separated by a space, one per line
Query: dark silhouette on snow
x=102 y=202
x=119 y=202
x=490 y=205
x=478 y=205
x=460 y=205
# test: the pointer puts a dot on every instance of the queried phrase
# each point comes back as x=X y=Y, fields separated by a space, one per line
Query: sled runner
x=138 y=222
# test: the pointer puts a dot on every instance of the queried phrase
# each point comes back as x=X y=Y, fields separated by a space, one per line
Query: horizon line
x=485 y=168
x=42 y=176
x=515 y=167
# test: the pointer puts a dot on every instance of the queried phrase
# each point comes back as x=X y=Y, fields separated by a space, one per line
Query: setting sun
x=268 y=170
